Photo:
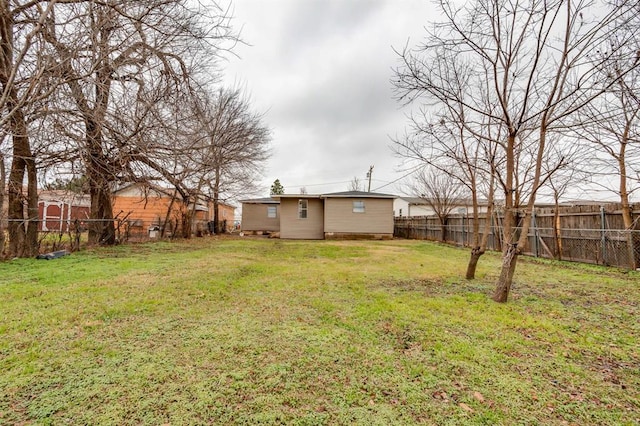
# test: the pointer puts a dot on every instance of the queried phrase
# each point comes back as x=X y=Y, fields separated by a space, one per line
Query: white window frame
x=272 y=212
x=358 y=206
x=303 y=208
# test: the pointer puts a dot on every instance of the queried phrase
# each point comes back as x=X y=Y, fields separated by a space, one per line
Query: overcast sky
x=320 y=71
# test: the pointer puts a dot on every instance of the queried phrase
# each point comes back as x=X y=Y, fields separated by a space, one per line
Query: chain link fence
x=73 y=234
x=611 y=247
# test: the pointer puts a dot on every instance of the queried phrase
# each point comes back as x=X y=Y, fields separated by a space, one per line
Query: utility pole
x=369 y=173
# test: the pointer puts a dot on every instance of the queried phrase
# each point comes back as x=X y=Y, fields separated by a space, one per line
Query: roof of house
x=265 y=200
x=278 y=196
x=357 y=194
x=346 y=194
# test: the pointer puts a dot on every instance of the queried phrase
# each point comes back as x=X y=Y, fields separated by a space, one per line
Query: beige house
x=352 y=214
x=261 y=215
x=415 y=207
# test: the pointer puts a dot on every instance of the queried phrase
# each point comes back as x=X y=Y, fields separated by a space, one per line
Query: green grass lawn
x=256 y=331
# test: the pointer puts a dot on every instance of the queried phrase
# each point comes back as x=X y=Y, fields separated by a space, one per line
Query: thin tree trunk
x=15 y=209
x=186 y=223
x=480 y=244
x=509 y=254
x=192 y=219
x=476 y=250
x=556 y=230
x=476 y=253
x=216 y=201
x=32 y=245
x=3 y=188
x=443 y=229
x=509 y=261
x=627 y=218
x=167 y=217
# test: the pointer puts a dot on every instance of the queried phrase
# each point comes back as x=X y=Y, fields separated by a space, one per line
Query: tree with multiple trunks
x=95 y=85
x=532 y=69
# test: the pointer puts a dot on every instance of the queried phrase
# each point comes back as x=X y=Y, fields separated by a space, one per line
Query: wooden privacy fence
x=590 y=234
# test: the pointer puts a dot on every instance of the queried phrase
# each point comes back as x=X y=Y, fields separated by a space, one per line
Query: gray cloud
x=322 y=70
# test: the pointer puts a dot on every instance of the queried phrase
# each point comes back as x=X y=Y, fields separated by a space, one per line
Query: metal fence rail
x=611 y=247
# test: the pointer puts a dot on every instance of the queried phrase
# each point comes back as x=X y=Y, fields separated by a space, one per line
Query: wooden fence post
x=536 y=244
x=603 y=235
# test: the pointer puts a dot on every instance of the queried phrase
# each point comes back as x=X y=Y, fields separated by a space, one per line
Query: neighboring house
x=260 y=215
x=416 y=206
x=148 y=209
x=59 y=209
x=352 y=214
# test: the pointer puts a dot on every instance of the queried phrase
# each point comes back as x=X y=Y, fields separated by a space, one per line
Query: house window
x=271 y=212
x=358 y=206
x=303 y=207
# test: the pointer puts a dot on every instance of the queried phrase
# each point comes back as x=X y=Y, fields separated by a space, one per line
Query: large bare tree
x=20 y=69
x=533 y=70
x=458 y=142
x=108 y=51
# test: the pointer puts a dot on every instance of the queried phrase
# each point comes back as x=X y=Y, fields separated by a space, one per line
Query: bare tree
x=19 y=75
x=564 y=181
x=612 y=126
x=535 y=59
x=105 y=52
x=459 y=142
x=234 y=146
x=355 y=185
x=441 y=191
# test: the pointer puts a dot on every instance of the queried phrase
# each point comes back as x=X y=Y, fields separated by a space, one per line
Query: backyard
x=264 y=331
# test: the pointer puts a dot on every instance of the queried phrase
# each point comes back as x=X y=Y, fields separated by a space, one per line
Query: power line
x=400 y=178
x=319 y=184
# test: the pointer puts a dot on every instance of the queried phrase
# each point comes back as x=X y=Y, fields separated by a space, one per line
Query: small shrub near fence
x=599 y=244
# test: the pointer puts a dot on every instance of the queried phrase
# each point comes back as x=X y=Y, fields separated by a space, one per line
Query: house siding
x=376 y=221
x=145 y=212
x=142 y=208
x=225 y=212
x=254 y=218
x=310 y=228
x=226 y=215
